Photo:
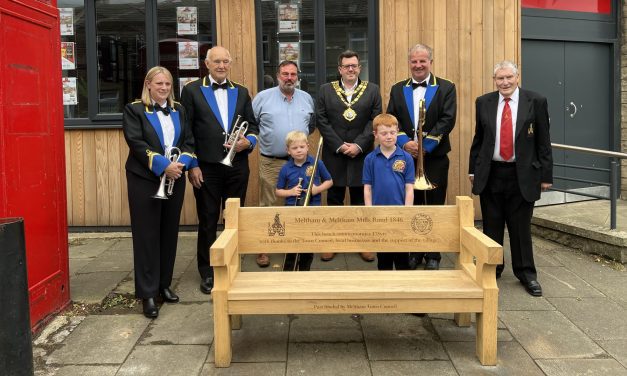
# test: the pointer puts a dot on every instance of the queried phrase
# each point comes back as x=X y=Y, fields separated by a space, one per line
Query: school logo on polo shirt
x=309 y=171
x=398 y=166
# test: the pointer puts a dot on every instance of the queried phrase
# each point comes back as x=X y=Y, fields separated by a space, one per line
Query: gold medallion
x=350 y=114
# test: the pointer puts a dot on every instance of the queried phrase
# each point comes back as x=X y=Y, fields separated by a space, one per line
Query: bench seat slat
x=327 y=285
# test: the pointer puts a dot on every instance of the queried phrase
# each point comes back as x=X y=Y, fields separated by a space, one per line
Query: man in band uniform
x=213 y=104
x=441 y=108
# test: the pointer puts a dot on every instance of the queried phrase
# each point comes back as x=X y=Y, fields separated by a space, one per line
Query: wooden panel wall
x=468 y=37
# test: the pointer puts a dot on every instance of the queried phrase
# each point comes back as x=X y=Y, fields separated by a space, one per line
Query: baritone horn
x=238 y=130
x=421 y=183
x=166 y=187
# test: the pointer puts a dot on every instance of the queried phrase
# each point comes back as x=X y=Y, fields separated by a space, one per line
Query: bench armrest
x=485 y=250
x=223 y=249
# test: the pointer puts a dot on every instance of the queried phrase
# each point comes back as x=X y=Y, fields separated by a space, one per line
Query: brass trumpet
x=421 y=183
x=238 y=129
x=173 y=154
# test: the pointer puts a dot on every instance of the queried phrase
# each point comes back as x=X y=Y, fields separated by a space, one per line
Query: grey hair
x=505 y=64
x=421 y=47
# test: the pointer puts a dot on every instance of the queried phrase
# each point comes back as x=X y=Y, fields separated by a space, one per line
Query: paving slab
x=449 y=331
x=325 y=328
x=262 y=338
x=514 y=297
x=586 y=266
x=181 y=265
x=87 y=371
x=617 y=349
x=424 y=367
x=614 y=288
x=90 y=248
x=122 y=244
x=110 y=261
x=101 y=340
x=245 y=369
x=93 y=287
x=599 y=318
x=559 y=282
x=174 y=360
x=512 y=360
x=549 y=334
x=401 y=337
x=181 y=324
x=188 y=286
x=327 y=359
x=76 y=264
x=581 y=367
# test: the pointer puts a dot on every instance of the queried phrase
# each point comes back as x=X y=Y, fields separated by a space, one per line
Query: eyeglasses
x=350 y=66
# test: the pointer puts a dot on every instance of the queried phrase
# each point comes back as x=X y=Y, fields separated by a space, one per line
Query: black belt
x=273 y=157
x=504 y=164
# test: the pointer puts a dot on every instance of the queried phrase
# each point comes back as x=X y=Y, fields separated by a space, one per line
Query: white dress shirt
x=419 y=93
x=223 y=103
x=167 y=126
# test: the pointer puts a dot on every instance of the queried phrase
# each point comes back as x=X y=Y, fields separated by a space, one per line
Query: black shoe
x=499 y=270
x=206 y=285
x=533 y=288
x=169 y=296
x=432 y=264
x=414 y=261
x=498 y=275
x=150 y=308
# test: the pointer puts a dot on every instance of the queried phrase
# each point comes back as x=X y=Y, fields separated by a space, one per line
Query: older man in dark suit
x=441 y=108
x=213 y=104
x=510 y=164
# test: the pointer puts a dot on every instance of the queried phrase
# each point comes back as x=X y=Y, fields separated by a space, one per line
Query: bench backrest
x=349 y=228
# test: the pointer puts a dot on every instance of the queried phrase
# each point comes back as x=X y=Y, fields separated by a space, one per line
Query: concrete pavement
x=578 y=327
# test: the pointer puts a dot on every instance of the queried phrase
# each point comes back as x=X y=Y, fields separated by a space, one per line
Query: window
x=107 y=47
x=314 y=33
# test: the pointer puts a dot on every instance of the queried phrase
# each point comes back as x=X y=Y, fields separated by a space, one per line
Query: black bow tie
x=165 y=110
x=216 y=85
x=416 y=84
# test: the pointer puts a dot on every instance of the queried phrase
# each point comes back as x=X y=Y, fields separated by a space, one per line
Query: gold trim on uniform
x=399 y=165
x=151 y=155
x=349 y=114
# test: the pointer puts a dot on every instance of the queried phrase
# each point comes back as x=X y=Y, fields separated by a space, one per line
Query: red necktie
x=507 y=148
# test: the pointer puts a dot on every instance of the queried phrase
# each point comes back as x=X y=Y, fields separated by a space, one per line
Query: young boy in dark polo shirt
x=294 y=179
x=388 y=179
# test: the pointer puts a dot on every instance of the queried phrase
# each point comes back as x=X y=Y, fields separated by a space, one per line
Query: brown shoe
x=263 y=260
x=367 y=256
x=327 y=256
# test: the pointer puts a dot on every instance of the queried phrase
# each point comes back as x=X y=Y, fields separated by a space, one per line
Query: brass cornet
x=238 y=129
x=421 y=183
x=173 y=154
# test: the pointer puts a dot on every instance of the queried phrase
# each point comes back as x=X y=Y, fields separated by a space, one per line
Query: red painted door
x=32 y=166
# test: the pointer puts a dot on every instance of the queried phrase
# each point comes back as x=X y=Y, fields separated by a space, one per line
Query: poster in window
x=70 y=96
x=66 y=18
x=188 y=55
x=187 y=20
x=68 y=59
x=289 y=51
x=184 y=81
x=288 y=18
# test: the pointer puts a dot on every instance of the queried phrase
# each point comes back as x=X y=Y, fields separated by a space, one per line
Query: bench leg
x=236 y=322
x=487 y=329
x=462 y=319
x=221 y=329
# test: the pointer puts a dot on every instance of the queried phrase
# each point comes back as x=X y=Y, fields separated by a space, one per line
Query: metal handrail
x=614 y=178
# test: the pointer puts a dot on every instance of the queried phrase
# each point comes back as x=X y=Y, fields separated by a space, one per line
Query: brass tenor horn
x=238 y=129
x=421 y=183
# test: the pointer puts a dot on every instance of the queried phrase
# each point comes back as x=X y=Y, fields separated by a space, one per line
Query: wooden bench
x=470 y=287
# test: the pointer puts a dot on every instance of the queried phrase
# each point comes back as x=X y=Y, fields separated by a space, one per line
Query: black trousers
x=502 y=204
x=220 y=182
x=389 y=260
x=155 y=228
x=335 y=196
x=436 y=170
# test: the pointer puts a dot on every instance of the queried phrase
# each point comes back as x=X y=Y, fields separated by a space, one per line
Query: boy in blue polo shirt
x=294 y=179
x=388 y=179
